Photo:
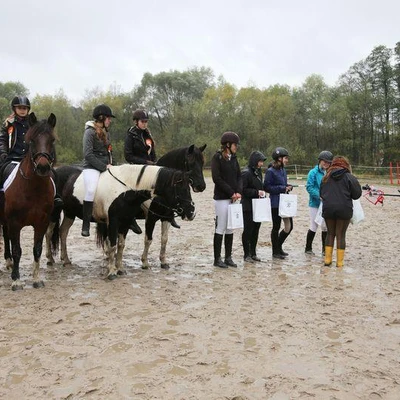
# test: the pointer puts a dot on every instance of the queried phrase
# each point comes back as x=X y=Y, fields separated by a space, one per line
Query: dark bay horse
x=28 y=196
x=122 y=187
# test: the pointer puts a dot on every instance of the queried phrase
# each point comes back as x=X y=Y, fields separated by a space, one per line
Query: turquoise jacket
x=314 y=179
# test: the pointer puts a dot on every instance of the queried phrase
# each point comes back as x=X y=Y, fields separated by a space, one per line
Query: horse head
x=175 y=190
x=40 y=138
x=194 y=163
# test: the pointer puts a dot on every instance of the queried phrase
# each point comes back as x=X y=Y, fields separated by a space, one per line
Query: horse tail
x=101 y=234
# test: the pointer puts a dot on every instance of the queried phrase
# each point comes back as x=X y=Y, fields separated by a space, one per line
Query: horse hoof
x=164 y=266
x=38 y=284
x=121 y=272
x=145 y=267
x=111 y=277
x=14 y=288
x=50 y=263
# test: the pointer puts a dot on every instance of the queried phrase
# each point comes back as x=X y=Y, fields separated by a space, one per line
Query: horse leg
x=16 y=255
x=49 y=253
x=164 y=240
x=64 y=229
x=110 y=250
x=37 y=253
x=7 y=249
x=120 y=251
x=148 y=239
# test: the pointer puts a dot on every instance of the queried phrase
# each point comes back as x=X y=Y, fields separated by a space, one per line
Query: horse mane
x=174 y=157
x=138 y=177
x=39 y=127
x=168 y=177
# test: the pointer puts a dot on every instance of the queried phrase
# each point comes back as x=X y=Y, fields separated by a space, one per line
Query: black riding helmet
x=140 y=115
x=102 y=109
x=230 y=137
x=326 y=156
x=279 y=152
x=20 y=101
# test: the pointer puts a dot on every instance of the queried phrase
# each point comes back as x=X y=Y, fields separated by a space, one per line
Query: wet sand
x=278 y=330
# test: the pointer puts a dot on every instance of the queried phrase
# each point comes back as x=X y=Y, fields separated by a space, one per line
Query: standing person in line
x=227 y=178
x=314 y=179
x=252 y=189
x=338 y=190
x=275 y=183
x=97 y=153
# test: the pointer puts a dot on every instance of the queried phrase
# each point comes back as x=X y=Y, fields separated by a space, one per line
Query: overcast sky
x=78 y=45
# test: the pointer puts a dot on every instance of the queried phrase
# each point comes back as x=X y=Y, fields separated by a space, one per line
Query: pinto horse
x=28 y=196
x=120 y=188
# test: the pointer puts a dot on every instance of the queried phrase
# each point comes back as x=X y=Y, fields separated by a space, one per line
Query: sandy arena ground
x=276 y=330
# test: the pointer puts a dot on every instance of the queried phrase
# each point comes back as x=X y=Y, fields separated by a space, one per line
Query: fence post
x=398 y=173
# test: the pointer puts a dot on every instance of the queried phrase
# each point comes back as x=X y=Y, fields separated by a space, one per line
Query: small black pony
x=119 y=187
x=28 y=198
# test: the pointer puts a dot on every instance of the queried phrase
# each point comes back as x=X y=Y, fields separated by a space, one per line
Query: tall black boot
x=309 y=240
x=174 y=224
x=87 y=216
x=282 y=237
x=58 y=202
x=228 y=250
x=217 y=251
x=323 y=238
x=135 y=227
x=275 y=245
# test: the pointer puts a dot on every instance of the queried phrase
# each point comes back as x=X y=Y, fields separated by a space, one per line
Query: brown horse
x=28 y=199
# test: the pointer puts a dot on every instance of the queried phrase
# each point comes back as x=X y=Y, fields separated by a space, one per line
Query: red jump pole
x=391 y=172
x=398 y=173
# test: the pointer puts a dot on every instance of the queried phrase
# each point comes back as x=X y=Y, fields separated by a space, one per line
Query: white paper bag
x=262 y=210
x=235 y=216
x=287 y=205
x=358 y=212
x=319 y=219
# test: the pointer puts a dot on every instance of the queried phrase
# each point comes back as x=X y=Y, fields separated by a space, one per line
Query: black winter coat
x=338 y=193
x=252 y=181
x=226 y=176
x=136 y=149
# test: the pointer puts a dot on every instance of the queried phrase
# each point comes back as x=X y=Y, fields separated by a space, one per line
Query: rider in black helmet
x=97 y=153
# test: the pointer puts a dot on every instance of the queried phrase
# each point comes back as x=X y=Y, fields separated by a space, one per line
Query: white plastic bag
x=358 y=212
x=319 y=219
x=262 y=210
x=235 y=216
x=287 y=205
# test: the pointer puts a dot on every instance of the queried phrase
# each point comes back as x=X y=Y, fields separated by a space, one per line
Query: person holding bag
x=227 y=179
x=338 y=190
x=314 y=179
x=252 y=189
x=275 y=183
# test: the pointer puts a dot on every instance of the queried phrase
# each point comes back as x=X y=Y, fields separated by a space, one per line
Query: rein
x=174 y=210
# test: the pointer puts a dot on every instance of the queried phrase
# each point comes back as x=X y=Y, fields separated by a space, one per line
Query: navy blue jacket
x=275 y=183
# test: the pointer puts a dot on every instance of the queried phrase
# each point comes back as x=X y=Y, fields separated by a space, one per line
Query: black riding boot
x=309 y=240
x=217 y=251
x=275 y=245
x=282 y=237
x=135 y=227
x=87 y=216
x=174 y=224
x=228 y=250
x=58 y=201
x=323 y=238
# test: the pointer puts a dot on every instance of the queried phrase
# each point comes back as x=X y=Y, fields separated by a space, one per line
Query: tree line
x=358 y=117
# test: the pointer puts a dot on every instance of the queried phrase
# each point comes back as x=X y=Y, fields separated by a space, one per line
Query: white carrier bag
x=358 y=212
x=319 y=219
x=235 y=216
x=287 y=205
x=262 y=210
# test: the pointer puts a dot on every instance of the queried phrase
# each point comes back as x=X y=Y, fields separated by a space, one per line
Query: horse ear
x=52 y=120
x=202 y=148
x=32 y=119
x=191 y=149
